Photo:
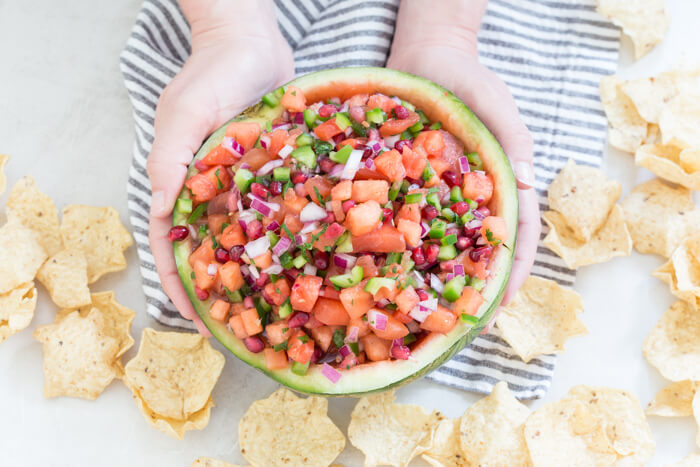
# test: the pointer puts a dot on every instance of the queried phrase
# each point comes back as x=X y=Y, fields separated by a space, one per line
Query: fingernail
x=158 y=203
x=524 y=174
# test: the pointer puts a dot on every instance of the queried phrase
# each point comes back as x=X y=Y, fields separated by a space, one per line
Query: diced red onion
x=390 y=141
x=272 y=226
x=436 y=284
x=449 y=277
x=352 y=165
x=369 y=163
x=232 y=146
x=193 y=231
x=357 y=113
x=383 y=302
x=353 y=334
x=211 y=269
x=481 y=241
x=199 y=165
x=285 y=151
x=473 y=224
x=257 y=247
x=274 y=269
x=269 y=167
x=413 y=327
x=310 y=269
x=419 y=314
x=397 y=100
x=282 y=246
x=377 y=319
x=344 y=260
x=412 y=187
x=312 y=212
x=299 y=239
x=478 y=216
x=344 y=351
x=336 y=171
x=400 y=351
x=458 y=270
x=348 y=131
x=430 y=304
x=464 y=165
x=375 y=146
x=344 y=107
x=424 y=229
x=246 y=166
x=419 y=279
x=298 y=118
x=254 y=271
x=309 y=227
x=331 y=373
x=261 y=207
x=273 y=206
x=265 y=141
x=281 y=126
x=245 y=270
x=373 y=135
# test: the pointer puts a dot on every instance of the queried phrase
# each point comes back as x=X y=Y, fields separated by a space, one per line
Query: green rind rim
x=314 y=382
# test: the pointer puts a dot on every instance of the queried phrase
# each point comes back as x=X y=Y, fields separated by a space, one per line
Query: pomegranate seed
x=367 y=153
x=201 y=294
x=254 y=229
x=460 y=207
x=321 y=259
x=452 y=231
x=401 y=112
x=327 y=110
x=259 y=190
x=299 y=177
x=326 y=165
x=400 y=352
x=431 y=252
x=276 y=188
x=347 y=205
x=254 y=344
x=221 y=255
x=330 y=218
x=463 y=243
x=248 y=302
x=262 y=280
x=178 y=233
x=486 y=212
x=298 y=319
x=450 y=178
x=338 y=138
x=292 y=273
x=235 y=253
x=422 y=294
x=388 y=214
x=478 y=253
x=429 y=212
x=416 y=181
x=403 y=143
x=472 y=232
x=418 y=256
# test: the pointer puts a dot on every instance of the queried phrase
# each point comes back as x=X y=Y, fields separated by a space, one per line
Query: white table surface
x=65 y=119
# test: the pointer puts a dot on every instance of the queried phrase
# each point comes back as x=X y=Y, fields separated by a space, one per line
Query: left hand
x=457 y=68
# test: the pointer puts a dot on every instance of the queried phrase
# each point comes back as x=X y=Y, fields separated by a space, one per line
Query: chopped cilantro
x=219 y=185
x=489 y=237
x=281 y=346
x=289 y=233
x=304 y=339
x=339 y=338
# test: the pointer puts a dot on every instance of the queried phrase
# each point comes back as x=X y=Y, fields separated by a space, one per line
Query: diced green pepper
x=423 y=118
x=449 y=239
x=467 y=216
x=437 y=228
x=342 y=155
x=183 y=205
x=300 y=368
x=274 y=238
x=416 y=128
x=322 y=147
x=436 y=126
x=348 y=280
x=428 y=173
x=263 y=309
x=453 y=288
x=358 y=128
x=342 y=120
x=344 y=243
x=406 y=135
x=299 y=261
x=286 y=260
x=409 y=339
x=376 y=116
x=305 y=156
x=448 y=214
x=281 y=174
x=393 y=257
x=477 y=283
x=310 y=118
x=434 y=200
x=408 y=105
x=475 y=162
x=270 y=99
x=414 y=198
x=243 y=179
x=285 y=309
x=456 y=194
x=404 y=186
x=234 y=297
x=376 y=283
x=197 y=213
x=470 y=319
x=472 y=204
x=304 y=139
x=394 y=190
x=447 y=252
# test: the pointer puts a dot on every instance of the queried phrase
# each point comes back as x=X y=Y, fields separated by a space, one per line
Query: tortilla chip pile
x=644 y=21
x=585 y=224
x=657 y=120
x=590 y=426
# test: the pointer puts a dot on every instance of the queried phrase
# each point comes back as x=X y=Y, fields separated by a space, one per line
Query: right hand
x=231 y=67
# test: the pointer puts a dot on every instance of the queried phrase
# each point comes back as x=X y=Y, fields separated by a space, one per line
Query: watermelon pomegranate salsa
x=347 y=235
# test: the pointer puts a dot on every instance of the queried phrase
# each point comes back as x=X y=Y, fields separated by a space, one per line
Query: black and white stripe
x=551 y=53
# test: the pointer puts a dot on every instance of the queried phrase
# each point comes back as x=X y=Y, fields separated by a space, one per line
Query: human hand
x=427 y=44
x=233 y=63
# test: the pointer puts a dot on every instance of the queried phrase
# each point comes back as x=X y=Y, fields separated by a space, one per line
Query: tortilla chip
x=627 y=128
x=653 y=134
x=21 y=256
x=445 y=449
x=650 y=95
x=590 y=426
x=491 y=430
x=675 y=400
x=696 y=414
x=173 y=427
x=174 y=372
x=645 y=22
x=682 y=271
x=689 y=160
x=36 y=211
x=692 y=460
x=673 y=346
x=16 y=309
x=540 y=318
x=65 y=277
x=389 y=433
x=665 y=162
x=679 y=121
x=78 y=356
x=285 y=430
x=100 y=234
x=3 y=180
x=613 y=239
x=659 y=216
x=209 y=462
x=584 y=197
x=117 y=320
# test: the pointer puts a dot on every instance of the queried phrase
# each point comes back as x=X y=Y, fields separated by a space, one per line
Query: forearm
x=445 y=22
x=212 y=20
